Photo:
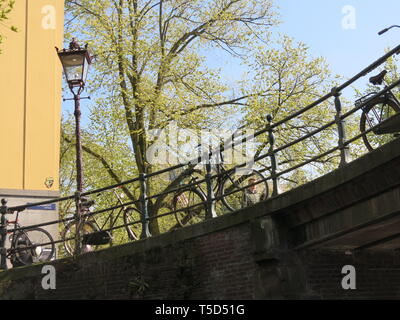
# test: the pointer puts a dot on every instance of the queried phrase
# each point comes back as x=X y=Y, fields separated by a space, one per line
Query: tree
x=6 y=7
x=149 y=70
x=291 y=79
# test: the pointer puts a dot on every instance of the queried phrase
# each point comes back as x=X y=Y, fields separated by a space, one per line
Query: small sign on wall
x=50 y=207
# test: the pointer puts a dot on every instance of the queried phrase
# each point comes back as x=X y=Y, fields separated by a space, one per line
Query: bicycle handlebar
x=387 y=29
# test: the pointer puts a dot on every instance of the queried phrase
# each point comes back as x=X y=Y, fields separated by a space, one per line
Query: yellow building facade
x=30 y=107
x=30 y=96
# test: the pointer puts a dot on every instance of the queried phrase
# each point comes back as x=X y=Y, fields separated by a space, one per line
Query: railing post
x=210 y=193
x=274 y=167
x=3 y=235
x=144 y=213
x=78 y=228
x=344 y=150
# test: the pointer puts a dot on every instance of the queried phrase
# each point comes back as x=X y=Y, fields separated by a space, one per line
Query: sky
x=344 y=32
x=326 y=27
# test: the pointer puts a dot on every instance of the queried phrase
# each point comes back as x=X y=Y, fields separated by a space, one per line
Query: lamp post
x=76 y=62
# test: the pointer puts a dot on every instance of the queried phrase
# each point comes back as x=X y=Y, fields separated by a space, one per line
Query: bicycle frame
x=222 y=174
x=11 y=250
x=16 y=226
x=109 y=218
x=388 y=96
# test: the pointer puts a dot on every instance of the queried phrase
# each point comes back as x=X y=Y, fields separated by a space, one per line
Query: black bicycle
x=28 y=246
x=231 y=187
x=380 y=120
x=91 y=229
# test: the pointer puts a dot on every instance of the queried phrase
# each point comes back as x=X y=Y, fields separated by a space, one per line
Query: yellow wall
x=30 y=96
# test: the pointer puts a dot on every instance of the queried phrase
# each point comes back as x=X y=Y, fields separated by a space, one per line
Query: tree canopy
x=150 y=70
x=6 y=6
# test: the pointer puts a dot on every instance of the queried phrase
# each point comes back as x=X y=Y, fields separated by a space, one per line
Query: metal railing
x=145 y=203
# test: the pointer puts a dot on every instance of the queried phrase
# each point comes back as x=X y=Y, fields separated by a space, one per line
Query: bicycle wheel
x=185 y=199
x=243 y=198
x=374 y=113
x=32 y=246
x=69 y=233
x=133 y=230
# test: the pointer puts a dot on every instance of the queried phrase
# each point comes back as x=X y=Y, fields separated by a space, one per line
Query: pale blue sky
x=319 y=24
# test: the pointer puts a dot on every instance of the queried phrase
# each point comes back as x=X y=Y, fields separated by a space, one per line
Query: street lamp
x=76 y=62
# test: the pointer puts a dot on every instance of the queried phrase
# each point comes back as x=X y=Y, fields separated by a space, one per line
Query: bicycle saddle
x=378 y=79
x=87 y=203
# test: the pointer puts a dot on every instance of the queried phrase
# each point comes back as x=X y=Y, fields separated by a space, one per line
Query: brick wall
x=377 y=274
x=212 y=265
x=215 y=266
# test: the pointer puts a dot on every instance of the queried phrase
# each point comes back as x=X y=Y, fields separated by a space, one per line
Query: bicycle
x=28 y=246
x=380 y=116
x=226 y=187
x=92 y=234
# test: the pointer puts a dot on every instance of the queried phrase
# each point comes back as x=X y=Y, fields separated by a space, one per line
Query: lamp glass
x=76 y=65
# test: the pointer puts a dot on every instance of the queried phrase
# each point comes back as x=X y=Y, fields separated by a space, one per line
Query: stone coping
x=29 y=193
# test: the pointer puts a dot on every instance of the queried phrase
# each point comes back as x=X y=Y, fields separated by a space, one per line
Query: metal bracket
x=66 y=99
